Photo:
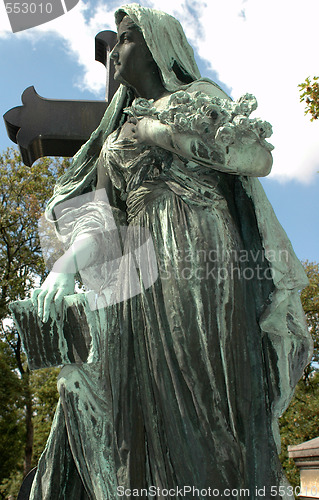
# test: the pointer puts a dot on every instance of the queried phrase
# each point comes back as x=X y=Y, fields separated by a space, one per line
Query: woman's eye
x=124 y=38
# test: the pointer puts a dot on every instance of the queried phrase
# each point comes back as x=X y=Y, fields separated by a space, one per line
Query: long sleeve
x=208 y=130
x=246 y=156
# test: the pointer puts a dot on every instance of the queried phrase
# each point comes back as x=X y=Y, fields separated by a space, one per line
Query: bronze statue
x=193 y=367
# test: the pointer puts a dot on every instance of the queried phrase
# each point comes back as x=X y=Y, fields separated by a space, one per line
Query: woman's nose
x=114 y=53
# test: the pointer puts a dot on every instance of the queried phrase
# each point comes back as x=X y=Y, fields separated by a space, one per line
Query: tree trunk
x=28 y=425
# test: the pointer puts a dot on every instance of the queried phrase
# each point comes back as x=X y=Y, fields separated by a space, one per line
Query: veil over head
x=167 y=42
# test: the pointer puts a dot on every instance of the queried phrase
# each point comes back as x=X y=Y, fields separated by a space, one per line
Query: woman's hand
x=55 y=287
x=139 y=130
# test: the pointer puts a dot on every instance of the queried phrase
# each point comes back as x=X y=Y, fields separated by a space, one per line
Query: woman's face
x=132 y=58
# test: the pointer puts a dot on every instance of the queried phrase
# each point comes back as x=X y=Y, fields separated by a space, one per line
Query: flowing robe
x=193 y=370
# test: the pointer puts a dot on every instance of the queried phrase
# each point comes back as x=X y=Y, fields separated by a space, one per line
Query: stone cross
x=71 y=122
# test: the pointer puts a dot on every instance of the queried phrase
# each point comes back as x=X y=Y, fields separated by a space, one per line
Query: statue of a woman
x=194 y=369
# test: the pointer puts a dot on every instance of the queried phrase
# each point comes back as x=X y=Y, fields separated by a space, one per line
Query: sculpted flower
x=142 y=107
x=211 y=110
x=247 y=104
x=181 y=108
x=225 y=135
x=263 y=129
x=217 y=100
x=163 y=117
x=171 y=114
x=168 y=115
x=180 y=97
x=242 y=122
x=219 y=116
x=200 y=124
x=180 y=122
x=200 y=99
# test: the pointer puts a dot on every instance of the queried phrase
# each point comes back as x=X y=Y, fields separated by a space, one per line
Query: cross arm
x=49 y=127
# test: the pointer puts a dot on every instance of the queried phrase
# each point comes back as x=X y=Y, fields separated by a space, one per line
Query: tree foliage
x=309 y=93
x=310 y=304
x=11 y=414
x=300 y=422
x=24 y=192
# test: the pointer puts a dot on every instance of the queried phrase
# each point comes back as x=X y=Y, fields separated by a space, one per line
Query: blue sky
x=247 y=46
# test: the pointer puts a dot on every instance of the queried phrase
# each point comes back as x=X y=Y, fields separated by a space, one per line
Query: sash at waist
x=150 y=190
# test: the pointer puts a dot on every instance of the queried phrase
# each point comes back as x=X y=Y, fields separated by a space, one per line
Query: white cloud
x=78 y=34
x=265 y=48
x=5 y=28
x=77 y=30
x=268 y=48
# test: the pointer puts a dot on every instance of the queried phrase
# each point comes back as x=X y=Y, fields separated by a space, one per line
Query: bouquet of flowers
x=214 y=118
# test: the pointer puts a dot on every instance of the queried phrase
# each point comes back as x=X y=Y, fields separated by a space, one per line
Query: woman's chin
x=118 y=78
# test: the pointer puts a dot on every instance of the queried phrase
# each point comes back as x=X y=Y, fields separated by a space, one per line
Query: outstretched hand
x=55 y=287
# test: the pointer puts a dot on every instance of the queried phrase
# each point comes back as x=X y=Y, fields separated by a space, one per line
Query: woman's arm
x=87 y=249
x=247 y=156
x=83 y=253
